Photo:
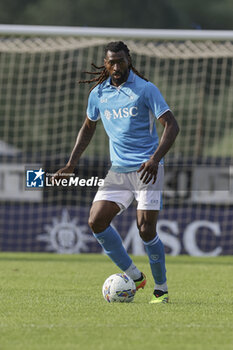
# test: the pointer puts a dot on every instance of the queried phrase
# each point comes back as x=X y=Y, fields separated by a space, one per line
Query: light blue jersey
x=128 y=114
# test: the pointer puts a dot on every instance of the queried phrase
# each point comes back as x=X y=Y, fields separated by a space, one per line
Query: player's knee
x=97 y=223
x=94 y=224
x=147 y=231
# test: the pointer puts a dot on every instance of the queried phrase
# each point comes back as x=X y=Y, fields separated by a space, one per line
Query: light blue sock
x=111 y=242
x=155 y=252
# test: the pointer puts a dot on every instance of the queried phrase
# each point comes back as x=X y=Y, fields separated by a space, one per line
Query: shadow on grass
x=97 y=258
x=46 y=257
x=219 y=260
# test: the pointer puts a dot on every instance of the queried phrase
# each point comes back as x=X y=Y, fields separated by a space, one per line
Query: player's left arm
x=171 y=129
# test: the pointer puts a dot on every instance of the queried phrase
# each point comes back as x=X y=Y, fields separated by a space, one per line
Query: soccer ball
x=119 y=288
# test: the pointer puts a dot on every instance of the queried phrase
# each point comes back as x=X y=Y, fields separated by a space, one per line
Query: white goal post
x=42 y=107
x=130 y=33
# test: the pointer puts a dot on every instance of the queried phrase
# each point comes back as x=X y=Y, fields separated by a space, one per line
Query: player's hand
x=64 y=173
x=148 y=171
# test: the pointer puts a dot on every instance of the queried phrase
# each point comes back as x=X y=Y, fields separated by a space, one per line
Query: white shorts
x=122 y=188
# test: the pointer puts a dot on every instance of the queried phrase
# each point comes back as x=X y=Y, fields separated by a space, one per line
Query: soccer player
x=128 y=105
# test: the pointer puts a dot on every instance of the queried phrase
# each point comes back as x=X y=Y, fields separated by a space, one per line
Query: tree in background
x=177 y=14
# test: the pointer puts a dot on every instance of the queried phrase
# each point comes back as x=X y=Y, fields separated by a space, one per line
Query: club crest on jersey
x=103 y=100
x=121 y=113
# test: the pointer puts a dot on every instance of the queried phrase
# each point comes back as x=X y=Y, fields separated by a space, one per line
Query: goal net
x=42 y=108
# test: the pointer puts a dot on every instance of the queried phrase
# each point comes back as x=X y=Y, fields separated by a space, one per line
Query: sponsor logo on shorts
x=154 y=257
x=154 y=201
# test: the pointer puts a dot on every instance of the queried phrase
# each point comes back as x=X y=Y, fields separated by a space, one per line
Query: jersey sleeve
x=154 y=100
x=92 y=107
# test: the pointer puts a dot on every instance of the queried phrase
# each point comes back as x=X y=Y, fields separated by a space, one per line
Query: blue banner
x=36 y=227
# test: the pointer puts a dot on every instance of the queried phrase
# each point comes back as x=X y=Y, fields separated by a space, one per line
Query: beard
x=119 y=77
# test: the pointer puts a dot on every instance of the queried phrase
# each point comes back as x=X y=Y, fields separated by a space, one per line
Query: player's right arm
x=83 y=139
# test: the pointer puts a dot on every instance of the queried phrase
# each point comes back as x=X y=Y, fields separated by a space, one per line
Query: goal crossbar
x=133 y=33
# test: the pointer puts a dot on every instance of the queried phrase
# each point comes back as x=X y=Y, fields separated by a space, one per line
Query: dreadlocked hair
x=114 y=46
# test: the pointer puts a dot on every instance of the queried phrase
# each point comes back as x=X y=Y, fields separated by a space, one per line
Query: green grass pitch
x=50 y=302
